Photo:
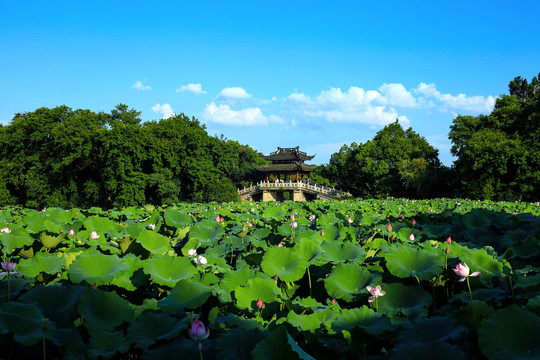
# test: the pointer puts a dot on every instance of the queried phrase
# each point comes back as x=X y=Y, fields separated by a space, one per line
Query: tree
x=396 y=162
x=498 y=155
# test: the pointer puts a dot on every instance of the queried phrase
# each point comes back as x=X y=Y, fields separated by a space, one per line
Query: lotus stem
x=472 y=305
x=9 y=288
x=309 y=280
x=512 y=288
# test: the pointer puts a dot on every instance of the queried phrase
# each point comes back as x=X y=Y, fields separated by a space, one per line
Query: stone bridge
x=297 y=191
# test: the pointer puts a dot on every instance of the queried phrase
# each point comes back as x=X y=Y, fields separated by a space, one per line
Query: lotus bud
x=447 y=250
x=260 y=304
x=333 y=301
x=198 y=331
x=280 y=245
x=322 y=232
x=449 y=240
x=294 y=224
x=72 y=232
x=413 y=222
x=389 y=227
x=94 y=235
x=411 y=237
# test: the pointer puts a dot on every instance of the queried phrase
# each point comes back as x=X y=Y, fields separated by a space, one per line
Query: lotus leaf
x=176 y=218
x=403 y=298
x=24 y=321
x=168 y=270
x=50 y=241
x=337 y=252
x=284 y=262
x=279 y=345
x=96 y=268
x=407 y=261
x=185 y=295
x=235 y=342
x=17 y=239
x=102 y=310
x=156 y=243
x=431 y=330
x=421 y=351
x=509 y=333
x=310 y=322
x=364 y=318
x=233 y=279
x=152 y=326
x=206 y=234
x=255 y=289
x=347 y=280
x=107 y=344
x=42 y=262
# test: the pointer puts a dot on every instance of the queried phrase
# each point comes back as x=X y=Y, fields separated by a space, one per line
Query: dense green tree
x=396 y=162
x=498 y=155
x=64 y=157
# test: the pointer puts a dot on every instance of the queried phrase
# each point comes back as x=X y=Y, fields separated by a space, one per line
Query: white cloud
x=396 y=95
x=139 y=86
x=429 y=96
x=223 y=114
x=193 y=88
x=165 y=110
x=355 y=105
x=234 y=93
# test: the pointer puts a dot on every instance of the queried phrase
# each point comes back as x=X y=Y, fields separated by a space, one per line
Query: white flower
x=152 y=226
x=192 y=252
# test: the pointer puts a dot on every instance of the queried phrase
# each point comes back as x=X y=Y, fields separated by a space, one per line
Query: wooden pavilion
x=287 y=165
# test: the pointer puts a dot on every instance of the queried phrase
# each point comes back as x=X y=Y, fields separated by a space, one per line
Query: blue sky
x=268 y=74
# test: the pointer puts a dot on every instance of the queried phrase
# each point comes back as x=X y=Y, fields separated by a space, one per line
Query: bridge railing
x=325 y=190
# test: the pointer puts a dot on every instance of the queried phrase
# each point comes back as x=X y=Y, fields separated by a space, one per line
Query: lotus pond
x=446 y=279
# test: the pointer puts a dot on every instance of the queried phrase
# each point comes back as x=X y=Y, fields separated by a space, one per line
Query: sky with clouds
x=267 y=74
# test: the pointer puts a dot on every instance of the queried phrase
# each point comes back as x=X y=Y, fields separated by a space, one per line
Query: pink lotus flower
x=9 y=266
x=376 y=292
x=198 y=331
x=463 y=271
x=413 y=222
x=280 y=245
x=152 y=226
x=322 y=232
x=350 y=220
x=6 y=230
x=71 y=232
x=260 y=304
x=292 y=217
x=449 y=240
x=94 y=235
x=411 y=237
x=294 y=224
x=219 y=219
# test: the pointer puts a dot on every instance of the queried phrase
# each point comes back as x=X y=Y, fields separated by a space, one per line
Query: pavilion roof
x=301 y=167
x=288 y=154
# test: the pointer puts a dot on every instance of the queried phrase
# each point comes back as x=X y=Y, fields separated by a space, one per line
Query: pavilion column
x=297 y=176
x=267 y=177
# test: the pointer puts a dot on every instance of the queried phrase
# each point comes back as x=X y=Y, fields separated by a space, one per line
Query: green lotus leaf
x=168 y=270
x=264 y=289
x=404 y=299
x=126 y=280
x=480 y=260
x=16 y=285
x=364 y=318
x=17 y=239
x=509 y=334
x=50 y=241
x=33 y=222
x=406 y=261
x=274 y=213
x=347 y=280
x=534 y=305
x=107 y=344
x=181 y=234
x=24 y=321
x=285 y=263
x=176 y=218
x=103 y=310
x=205 y=233
x=477 y=218
x=337 y=233
x=308 y=250
x=431 y=330
x=307 y=302
x=180 y=348
x=310 y=322
x=96 y=268
x=101 y=225
x=279 y=345
x=42 y=262
x=151 y=327
x=233 y=321
x=156 y=243
x=471 y=317
x=185 y=295
x=327 y=221
x=336 y=252
x=285 y=230
x=481 y=293
x=58 y=303
x=71 y=340
x=233 y=279
x=423 y=351
x=236 y=341
x=436 y=231
x=369 y=220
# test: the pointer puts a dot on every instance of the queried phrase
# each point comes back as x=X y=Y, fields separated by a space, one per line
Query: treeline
x=64 y=157
x=498 y=156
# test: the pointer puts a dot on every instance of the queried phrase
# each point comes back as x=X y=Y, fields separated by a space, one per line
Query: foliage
x=396 y=162
x=499 y=154
x=126 y=283
x=64 y=157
